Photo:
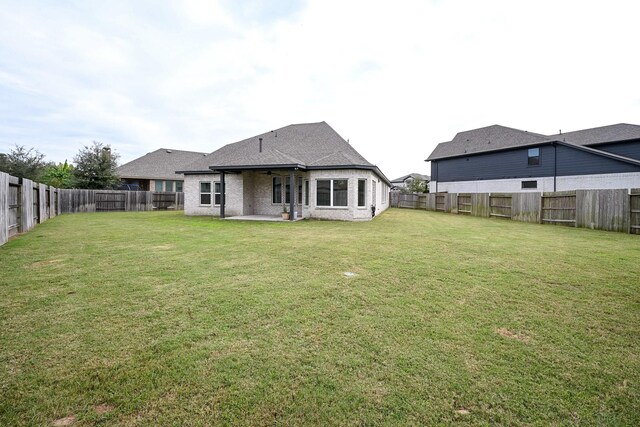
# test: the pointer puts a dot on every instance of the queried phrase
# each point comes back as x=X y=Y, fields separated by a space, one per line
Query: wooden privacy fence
x=73 y=201
x=24 y=203
x=611 y=210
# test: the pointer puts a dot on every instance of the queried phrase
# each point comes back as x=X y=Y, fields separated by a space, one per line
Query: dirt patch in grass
x=510 y=334
x=162 y=247
x=103 y=408
x=44 y=263
x=66 y=421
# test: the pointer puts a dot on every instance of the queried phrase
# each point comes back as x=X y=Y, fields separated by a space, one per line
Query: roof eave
x=219 y=168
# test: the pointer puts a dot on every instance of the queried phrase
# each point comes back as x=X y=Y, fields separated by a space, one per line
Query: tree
x=96 y=167
x=417 y=186
x=23 y=163
x=59 y=176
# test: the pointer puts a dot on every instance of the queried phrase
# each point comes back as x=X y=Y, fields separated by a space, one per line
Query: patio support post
x=222 y=191
x=292 y=193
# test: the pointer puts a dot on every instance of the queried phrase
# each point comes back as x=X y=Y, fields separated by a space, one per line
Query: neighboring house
x=404 y=181
x=156 y=171
x=255 y=176
x=502 y=159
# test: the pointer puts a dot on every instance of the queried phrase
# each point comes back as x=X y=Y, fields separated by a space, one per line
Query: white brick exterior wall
x=250 y=193
x=563 y=183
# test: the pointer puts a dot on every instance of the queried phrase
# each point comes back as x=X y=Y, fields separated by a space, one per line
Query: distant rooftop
x=159 y=164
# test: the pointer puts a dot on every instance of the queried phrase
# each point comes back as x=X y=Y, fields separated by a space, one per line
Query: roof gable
x=309 y=144
x=161 y=163
x=488 y=138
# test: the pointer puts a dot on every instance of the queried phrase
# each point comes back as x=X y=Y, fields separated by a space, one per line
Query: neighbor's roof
x=498 y=137
x=308 y=146
x=488 y=138
x=411 y=175
x=600 y=135
x=159 y=164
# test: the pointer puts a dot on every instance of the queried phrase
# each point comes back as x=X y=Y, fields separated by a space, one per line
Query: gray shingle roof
x=308 y=145
x=600 y=135
x=159 y=164
x=488 y=138
x=496 y=137
x=411 y=175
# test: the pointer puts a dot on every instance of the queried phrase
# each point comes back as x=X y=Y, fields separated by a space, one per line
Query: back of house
x=306 y=169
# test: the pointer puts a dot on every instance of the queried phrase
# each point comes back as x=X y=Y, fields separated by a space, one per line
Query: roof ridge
x=505 y=127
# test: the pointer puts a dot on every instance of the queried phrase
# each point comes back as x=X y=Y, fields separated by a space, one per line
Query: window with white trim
x=362 y=192
x=205 y=193
x=385 y=191
x=332 y=192
x=216 y=193
x=533 y=157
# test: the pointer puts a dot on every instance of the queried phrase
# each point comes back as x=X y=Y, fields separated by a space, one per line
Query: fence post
x=4 y=208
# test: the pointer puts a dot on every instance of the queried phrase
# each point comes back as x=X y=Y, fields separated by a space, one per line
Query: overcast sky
x=393 y=77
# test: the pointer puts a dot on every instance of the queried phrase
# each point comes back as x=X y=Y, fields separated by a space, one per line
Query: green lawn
x=155 y=318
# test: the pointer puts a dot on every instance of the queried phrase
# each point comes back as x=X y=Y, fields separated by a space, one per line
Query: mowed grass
x=161 y=319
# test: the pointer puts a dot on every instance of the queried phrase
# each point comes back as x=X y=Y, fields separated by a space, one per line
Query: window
x=323 y=192
x=179 y=186
x=205 y=193
x=168 y=186
x=217 y=189
x=533 y=156
x=287 y=190
x=529 y=184
x=362 y=188
x=383 y=187
x=158 y=185
x=299 y=200
x=276 y=196
x=340 y=192
x=331 y=192
x=306 y=193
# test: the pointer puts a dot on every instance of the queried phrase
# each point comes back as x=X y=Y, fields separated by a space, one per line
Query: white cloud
x=394 y=78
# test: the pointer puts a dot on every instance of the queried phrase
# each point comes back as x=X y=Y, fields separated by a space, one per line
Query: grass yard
x=155 y=318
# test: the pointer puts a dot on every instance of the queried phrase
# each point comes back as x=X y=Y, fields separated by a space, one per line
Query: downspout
x=292 y=194
x=222 y=191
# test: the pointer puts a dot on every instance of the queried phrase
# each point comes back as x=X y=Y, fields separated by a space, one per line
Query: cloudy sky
x=394 y=77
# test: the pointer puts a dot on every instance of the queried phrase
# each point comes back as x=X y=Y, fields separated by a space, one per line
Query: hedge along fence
x=24 y=203
x=611 y=210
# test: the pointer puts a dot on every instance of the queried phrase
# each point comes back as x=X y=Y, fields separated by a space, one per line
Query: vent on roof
x=260 y=145
x=169 y=151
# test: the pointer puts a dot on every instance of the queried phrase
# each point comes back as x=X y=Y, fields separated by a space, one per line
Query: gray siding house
x=306 y=168
x=502 y=159
x=156 y=171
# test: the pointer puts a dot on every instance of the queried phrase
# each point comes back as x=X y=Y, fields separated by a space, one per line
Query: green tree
x=417 y=186
x=23 y=163
x=96 y=167
x=59 y=176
